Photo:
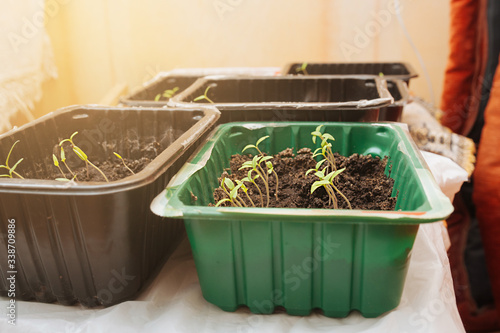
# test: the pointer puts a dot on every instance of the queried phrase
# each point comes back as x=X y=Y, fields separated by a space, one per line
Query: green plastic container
x=302 y=259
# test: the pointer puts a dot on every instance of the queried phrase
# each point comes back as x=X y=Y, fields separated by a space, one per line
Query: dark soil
x=363 y=182
x=141 y=154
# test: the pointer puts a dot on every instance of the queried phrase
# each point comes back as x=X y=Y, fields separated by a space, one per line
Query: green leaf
x=261 y=139
x=242 y=185
x=318 y=129
x=229 y=183
x=318 y=184
x=63 y=179
x=56 y=161
x=80 y=153
x=63 y=155
x=15 y=165
x=309 y=171
x=118 y=155
x=234 y=192
x=199 y=98
x=248 y=147
x=269 y=166
x=319 y=164
x=10 y=152
x=254 y=162
x=246 y=179
x=266 y=158
x=222 y=201
x=157 y=97
x=327 y=136
x=247 y=164
x=320 y=174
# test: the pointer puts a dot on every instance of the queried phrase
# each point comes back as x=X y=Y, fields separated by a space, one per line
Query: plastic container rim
x=385 y=98
x=148 y=175
x=412 y=73
x=168 y=204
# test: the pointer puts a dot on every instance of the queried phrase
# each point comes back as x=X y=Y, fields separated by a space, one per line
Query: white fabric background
x=26 y=58
x=174 y=303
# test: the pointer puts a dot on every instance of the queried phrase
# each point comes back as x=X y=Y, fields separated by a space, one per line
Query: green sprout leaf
x=248 y=147
x=63 y=179
x=328 y=136
x=320 y=174
x=80 y=153
x=309 y=171
x=269 y=166
x=10 y=152
x=318 y=165
x=229 y=183
x=63 y=155
x=118 y=155
x=318 y=184
x=157 y=97
x=56 y=161
x=261 y=139
x=15 y=166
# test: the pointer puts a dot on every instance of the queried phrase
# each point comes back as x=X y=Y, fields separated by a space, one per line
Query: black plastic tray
x=391 y=70
x=93 y=243
x=291 y=98
x=183 y=78
x=401 y=95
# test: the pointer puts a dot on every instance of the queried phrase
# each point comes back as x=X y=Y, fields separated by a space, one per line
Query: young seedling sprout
x=232 y=194
x=302 y=68
x=326 y=180
x=12 y=170
x=63 y=159
x=204 y=96
x=118 y=155
x=56 y=163
x=255 y=165
x=326 y=148
x=79 y=152
x=169 y=93
x=251 y=179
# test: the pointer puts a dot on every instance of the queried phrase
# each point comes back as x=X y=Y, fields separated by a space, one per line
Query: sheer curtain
x=26 y=58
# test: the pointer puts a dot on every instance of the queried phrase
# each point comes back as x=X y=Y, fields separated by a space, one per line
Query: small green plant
x=12 y=170
x=169 y=93
x=251 y=180
x=302 y=68
x=326 y=179
x=79 y=152
x=256 y=165
x=326 y=147
x=204 y=96
x=231 y=191
x=63 y=159
x=56 y=163
x=118 y=155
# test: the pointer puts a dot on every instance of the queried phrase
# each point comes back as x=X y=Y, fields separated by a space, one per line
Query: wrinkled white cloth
x=26 y=58
x=174 y=303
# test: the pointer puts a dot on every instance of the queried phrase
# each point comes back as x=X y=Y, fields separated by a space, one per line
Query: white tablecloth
x=174 y=303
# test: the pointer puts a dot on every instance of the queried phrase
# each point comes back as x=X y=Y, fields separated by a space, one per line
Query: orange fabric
x=487 y=186
x=466 y=61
